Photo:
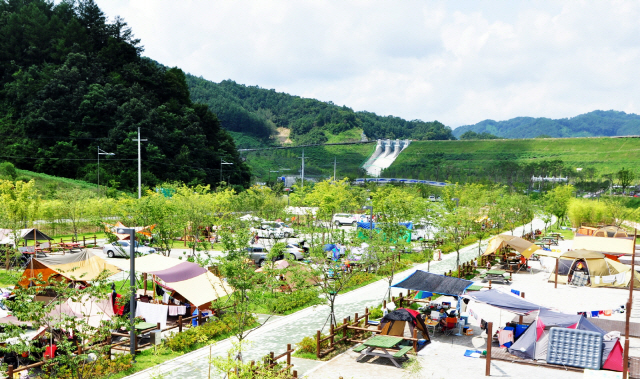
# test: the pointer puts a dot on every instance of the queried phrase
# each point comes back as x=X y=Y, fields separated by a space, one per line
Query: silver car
x=121 y=249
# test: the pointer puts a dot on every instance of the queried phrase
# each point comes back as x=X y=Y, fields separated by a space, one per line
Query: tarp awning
x=604 y=244
x=504 y=300
x=428 y=282
x=180 y=272
x=521 y=245
x=83 y=266
x=193 y=282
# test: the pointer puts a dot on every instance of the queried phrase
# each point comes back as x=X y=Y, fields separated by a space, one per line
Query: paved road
x=278 y=332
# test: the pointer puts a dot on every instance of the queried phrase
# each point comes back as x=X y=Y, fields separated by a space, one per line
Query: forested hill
x=592 y=124
x=256 y=111
x=72 y=82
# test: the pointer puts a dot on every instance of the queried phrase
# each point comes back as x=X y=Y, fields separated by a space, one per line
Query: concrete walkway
x=278 y=332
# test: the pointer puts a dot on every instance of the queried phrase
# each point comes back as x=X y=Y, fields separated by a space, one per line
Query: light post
x=221 y=163
x=132 y=283
x=370 y=207
x=101 y=152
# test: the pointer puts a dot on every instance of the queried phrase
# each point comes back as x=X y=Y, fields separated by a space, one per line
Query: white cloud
x=458 y=62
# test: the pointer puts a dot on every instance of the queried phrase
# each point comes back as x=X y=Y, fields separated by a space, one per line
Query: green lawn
x=480 y=157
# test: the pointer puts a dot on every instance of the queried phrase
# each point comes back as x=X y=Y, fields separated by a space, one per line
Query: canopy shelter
x=192 y=282
x=598 y=270
x=83 y=266
x=428 y=282
x=144 y=230
x=521 y=245
x=29 y=234
x=614 y=246
x=503 y=300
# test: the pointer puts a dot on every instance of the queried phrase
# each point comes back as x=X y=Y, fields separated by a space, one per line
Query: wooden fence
x=359 y=332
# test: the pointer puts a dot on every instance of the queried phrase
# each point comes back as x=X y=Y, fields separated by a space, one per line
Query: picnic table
x=495 y=275
x=550 y=240
x=382 y=342
x=71 y=246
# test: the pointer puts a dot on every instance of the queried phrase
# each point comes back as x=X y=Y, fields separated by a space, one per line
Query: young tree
x=74 y=208
x=239 y=270
x=19 y=202
x=557 y=201
x=625 y=178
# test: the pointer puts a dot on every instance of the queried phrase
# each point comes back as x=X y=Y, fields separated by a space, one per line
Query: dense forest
x=258 y=112
x=592 y=124
x=71 y=83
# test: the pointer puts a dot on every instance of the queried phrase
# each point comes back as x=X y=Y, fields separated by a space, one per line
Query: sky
x=458 y=62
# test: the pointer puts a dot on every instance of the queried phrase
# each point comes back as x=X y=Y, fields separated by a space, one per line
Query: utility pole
x=222 y=162
x=334 y=169
x=302 y=174
x=139 y=164
x=101 y=152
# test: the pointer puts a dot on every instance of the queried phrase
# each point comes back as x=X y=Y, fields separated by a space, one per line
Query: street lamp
x=101 y=152
x=370 y=207
x=221 y=163
x=132 y=282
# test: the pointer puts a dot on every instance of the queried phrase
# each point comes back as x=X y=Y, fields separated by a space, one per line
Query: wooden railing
x=359 y=331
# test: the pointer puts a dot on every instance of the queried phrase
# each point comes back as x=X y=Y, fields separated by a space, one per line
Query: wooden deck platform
x=501 y=354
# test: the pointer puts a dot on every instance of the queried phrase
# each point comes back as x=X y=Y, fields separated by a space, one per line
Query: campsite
x=184 y=274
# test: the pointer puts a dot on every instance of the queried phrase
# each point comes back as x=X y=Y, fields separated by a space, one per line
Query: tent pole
x=556 y=281
x=625 y=359
x=487 y=370
x=520 y=320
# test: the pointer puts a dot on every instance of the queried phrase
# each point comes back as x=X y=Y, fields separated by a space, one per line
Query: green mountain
x=72 y=83
x=592 y=124
x=257 y=112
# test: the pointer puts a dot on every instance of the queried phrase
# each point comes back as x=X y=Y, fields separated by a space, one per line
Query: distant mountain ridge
x=251 y=111
x=593 y=124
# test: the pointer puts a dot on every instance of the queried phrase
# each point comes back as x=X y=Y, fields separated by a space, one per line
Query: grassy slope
x=319 y=162
x=45 y=182
x=604 y=154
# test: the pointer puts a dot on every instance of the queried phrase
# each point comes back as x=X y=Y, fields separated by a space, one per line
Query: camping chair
x=449 y=325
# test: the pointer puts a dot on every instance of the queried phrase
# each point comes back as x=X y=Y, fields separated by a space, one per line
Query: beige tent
x=602 y=271
x=604 y=244
x=610 y=231
x=521 y=245
x=194 y=283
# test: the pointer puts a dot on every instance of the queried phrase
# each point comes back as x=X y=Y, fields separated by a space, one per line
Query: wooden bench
x=359 y=348
x=402 y=352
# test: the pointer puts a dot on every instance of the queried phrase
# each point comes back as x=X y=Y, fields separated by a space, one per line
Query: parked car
x=344 y=219
x=286 y=230
x=121 y=249
x=432 y=198
x=266 y=231
x=294 y=251
x=258 y=255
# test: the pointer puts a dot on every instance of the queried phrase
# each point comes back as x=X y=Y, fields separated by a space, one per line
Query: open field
x=457 y=160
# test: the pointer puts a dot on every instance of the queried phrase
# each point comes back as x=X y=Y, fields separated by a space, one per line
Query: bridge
x=396 y=180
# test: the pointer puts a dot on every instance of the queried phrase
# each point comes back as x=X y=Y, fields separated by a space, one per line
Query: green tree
x=625 y=178
x=557 y=201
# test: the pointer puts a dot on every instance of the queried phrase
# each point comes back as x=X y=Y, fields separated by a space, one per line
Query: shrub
x=296 y=299
x=375 y=313
x=361 y=278
x=190 y=338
